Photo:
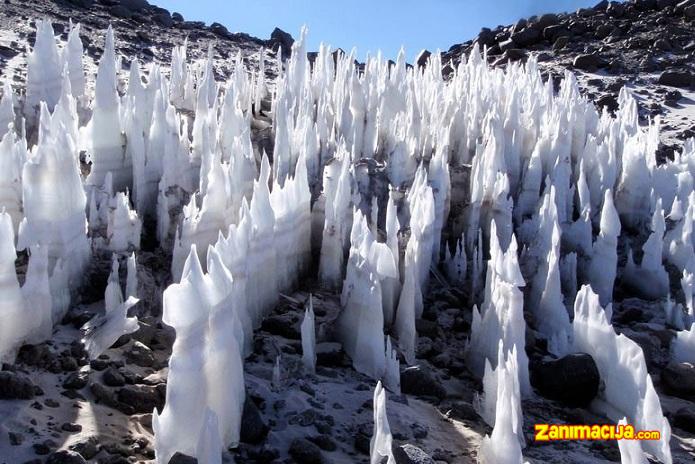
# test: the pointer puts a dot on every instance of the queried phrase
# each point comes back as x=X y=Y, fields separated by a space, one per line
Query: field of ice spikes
x=358 y=191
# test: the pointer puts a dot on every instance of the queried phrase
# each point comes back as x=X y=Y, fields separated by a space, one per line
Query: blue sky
x=369 y=24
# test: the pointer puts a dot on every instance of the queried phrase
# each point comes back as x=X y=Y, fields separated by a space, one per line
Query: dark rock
x=42 y=449
x=684 y=419
x=411 y=454
x=134 y=5
x=284 y=325
x=560 y=43
x=573 y=380
x=615 y=9
x=65 y=457
x=305 y=452
x=282 y=39
x=588 y=62
x=553 y=32
x=609 y=102
x=678 y=379
x=113 y=378
x=422 y=58
x=485 y=37
x=416 y=381
x=526 y=37
x=324 y=442
x=7 y=52
x=253 y=429
x=689 y=12
x=82 y=3
x=177 y=17
x=140 y=355
x=103 y=394
x=330 y=354
x=35 y=355
x=179 y=458
x=70 y=427
x=139 y=399
x=676 y=78
x=15 y=387
x=219 y=29
x=549 y=19
x=76 y=381
x=16 y=438
x=88 y=447
x=120 y=11
x=163 y=18
x=462 y=411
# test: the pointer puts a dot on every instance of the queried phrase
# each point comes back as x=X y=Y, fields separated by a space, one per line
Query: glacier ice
x=380 y=444
x=629 y=391
x=309 y=338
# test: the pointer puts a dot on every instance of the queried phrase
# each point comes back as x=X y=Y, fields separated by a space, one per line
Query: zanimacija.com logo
x=556 y=432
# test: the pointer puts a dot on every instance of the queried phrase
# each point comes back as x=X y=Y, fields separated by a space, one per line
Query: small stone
x=16 y=438
x=140 y=355
x=88 y=447
x=76 y=381
x=684 y=419
x=140 y=399
x=71 y=427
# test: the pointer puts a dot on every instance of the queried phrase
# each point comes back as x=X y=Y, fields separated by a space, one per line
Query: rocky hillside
x=648 y=45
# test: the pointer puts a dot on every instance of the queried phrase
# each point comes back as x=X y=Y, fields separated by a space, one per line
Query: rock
x=615 y=9
x=70 y=427
x=42 y=449
x=526 y=37
x=140 y=355
x=7 y=52
x=462 y=411
x=65 y=457
x=120 y=11
x=16 y=438
x=684 y=419
x=140 y=399
x=422 y=58
x=549 y=19
x=253 y=429
x=305 y=452
x=81 y=3
x=411 y=454
x=134 y=5
x=283 y=39
x=329 y=354
x=163 y=18
x=35 y=355
x=573 y=379
x=284 y=325
x=88 y=447
x=15 y=387
x=177 y=17
x=103 y=394
x=113 y=378
x=588 y=62
x=324 y=442
x=560 y=43
x=676 y=78
x=76 y=381
x=416 y=381
x=678 y=379
x=219 y=29
x=609 y=101
x=689 y=12
x=179 y=458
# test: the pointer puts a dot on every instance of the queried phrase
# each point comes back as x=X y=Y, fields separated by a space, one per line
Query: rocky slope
x=59 y=408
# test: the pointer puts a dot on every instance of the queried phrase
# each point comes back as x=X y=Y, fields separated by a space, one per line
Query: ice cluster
x=360 y=173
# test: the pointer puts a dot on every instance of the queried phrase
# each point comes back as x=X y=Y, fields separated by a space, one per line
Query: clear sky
x=369 y=25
